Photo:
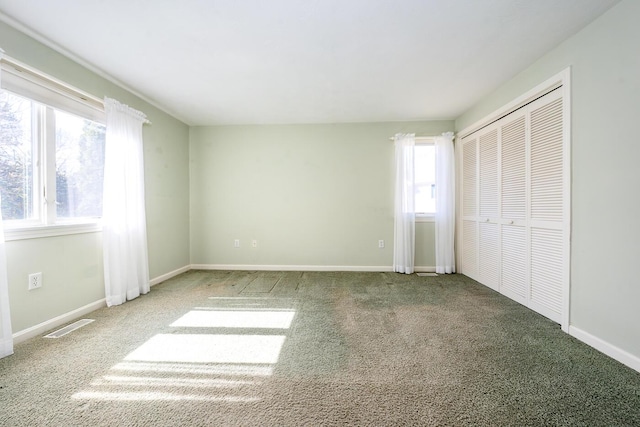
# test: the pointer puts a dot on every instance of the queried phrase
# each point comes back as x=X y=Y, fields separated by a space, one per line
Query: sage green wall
x=72 y=265
x=311 y=195
x=605 y=94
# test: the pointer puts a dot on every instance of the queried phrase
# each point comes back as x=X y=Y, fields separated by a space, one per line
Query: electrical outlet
x=236 y=243
x=381 y=244
x=254 y=243
x=35 y=281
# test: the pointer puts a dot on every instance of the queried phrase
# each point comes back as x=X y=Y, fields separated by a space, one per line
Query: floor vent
x=427 y=274
x=69 y=328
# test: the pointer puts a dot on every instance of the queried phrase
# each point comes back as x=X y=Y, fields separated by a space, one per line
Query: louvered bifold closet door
x=513 y=200
x=488 y=228
x=515 y=205
x=470 y=207
x=547 y=206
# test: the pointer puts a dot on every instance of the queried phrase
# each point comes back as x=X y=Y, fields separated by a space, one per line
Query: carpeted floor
x=292 y=348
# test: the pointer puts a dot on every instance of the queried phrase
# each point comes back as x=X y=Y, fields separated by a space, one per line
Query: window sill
x=40 y=231
x=425 y=218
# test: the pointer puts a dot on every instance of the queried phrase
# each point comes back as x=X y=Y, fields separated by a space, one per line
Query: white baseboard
x=244 y=267
x=609 y=349
x=38 y=329
x=169 y=275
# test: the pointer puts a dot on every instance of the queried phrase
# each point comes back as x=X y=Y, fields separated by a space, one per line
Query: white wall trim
x=567 y=144
x=425 y=218
x=609 y=349
x=41 y=231
x=169 y=275
x=245 y=267
x=40 y=328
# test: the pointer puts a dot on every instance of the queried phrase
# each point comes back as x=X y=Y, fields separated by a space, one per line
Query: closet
x=514 y=213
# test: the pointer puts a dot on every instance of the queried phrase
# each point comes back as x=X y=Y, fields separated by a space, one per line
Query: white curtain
x=6 y=339
x=445 y=204
x=404 y=214
x=126 y=268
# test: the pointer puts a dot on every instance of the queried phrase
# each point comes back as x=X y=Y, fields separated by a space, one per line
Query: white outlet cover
x=35 y=281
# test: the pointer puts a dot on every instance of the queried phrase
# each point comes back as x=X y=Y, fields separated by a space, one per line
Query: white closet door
x=489 y=240
x=514 y=164
x=515 y=282
x=514 y=251
x=470 y=249
x=547 y=205
x=515 y=201
x=546 y=159
x=470 y=207
x=489 y=174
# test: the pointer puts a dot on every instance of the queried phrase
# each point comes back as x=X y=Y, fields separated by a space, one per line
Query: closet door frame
x=562 y=81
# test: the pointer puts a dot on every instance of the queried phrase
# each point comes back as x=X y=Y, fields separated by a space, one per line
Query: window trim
x=424 y=217
x=38 y=86
x=30 y=83
x=30 y=231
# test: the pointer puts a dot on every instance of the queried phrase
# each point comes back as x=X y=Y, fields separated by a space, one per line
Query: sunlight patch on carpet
x=158 y=396
x=197 y=369
x=112 y=380
x=211 y=367
x=277 y=319
x=201 y=348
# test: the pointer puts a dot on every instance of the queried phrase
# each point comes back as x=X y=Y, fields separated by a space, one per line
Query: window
x=425 y=179
x=79 y=154
x=16 y=158
x=51 y=153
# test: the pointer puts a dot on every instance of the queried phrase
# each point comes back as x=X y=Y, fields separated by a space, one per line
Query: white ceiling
x=307 y=61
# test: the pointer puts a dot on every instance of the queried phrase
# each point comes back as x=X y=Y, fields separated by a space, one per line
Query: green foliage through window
x=35 y=136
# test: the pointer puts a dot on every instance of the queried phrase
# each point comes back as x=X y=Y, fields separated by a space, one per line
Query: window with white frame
x=51 y=152
x=425 y=178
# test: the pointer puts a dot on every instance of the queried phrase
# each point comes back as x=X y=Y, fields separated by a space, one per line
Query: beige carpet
x=293 y=348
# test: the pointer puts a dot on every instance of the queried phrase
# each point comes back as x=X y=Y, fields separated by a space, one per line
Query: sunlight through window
x=197 y=369
x=157 y=396
x=171 y=382
x=207 y=367
x=278 y=319
x=201 y=348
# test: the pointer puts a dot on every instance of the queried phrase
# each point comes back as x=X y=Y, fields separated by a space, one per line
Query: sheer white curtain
x=6 y=339
x=445 y=204
x=404 y=215
x=126 y=268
